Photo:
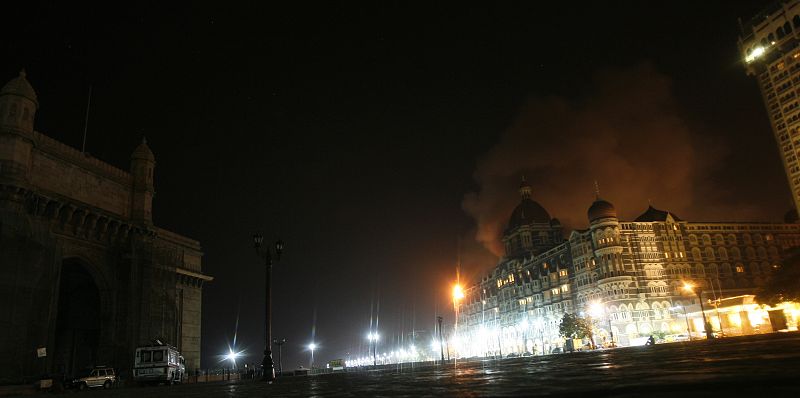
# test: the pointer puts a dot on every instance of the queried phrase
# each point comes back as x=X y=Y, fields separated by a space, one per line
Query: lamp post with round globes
x=458 y=294
x=311 y=348
x=267 y=364
x=698 y=291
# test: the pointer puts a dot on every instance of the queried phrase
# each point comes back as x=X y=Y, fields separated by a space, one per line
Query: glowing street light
x=688 y=329
x=373 y=339
x=231 y=356
x=596 y=310
x=312 y=347
x=689 y=287
x=458 y=294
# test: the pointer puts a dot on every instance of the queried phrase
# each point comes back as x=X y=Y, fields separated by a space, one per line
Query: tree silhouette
x=784 y=282
x=574 y=327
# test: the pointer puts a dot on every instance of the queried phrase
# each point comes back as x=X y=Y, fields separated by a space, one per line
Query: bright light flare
x=312 y=346
x=689 y=287
x=757 y=52
x=595 y=309
x=232 y=355
x=458 y=292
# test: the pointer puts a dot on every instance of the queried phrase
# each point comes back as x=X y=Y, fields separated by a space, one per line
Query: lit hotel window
x=739 y=268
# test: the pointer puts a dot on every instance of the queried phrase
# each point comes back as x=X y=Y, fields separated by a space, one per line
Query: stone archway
x=78 y=321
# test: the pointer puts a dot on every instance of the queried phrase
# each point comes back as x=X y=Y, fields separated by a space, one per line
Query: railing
x=211 y=375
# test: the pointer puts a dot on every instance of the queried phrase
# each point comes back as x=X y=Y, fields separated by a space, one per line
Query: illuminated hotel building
x=626 y=275
x=769 y=47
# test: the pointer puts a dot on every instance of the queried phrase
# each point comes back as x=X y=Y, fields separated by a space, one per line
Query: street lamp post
x=540 y=326
x=597 y=310
x=279 y=343
x=497 y=328
x=373 y=339
x=441 y=342
x=717 y=302
x=458 y=294
x=485 y=341
x=312 y=347
x=690 y=287
x=688 y=329
x=267 y=364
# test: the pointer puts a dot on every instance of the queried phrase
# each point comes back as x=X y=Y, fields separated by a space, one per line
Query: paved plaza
x=741 y=366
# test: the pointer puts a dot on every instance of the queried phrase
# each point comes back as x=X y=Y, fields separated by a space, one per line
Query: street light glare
x=688 y=286
x=458 y=292
x=312 y=346
x=232 y=355
x=595 y=309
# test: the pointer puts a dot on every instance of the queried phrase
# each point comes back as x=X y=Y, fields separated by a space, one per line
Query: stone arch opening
x=78 y=321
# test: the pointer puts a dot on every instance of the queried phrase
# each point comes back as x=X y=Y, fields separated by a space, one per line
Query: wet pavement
x=741 y=366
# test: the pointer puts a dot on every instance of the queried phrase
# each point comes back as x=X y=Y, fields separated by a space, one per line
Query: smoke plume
x=625 y=132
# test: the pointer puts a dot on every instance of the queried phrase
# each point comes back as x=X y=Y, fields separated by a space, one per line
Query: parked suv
x=98 y=377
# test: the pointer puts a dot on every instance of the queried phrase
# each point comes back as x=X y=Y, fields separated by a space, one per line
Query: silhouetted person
x=651 y=340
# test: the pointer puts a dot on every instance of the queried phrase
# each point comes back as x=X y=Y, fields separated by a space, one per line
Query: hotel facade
x=627 y=276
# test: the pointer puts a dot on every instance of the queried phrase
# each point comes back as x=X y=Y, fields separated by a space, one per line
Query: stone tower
x=530 y=228
x=142 y=164
x=606 y=240
x=18 y=105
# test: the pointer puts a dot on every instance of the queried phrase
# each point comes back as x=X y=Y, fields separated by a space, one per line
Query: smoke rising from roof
x=625 y=132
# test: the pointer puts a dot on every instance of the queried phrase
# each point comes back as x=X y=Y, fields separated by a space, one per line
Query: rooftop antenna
x=596 y=190
x=86 y=120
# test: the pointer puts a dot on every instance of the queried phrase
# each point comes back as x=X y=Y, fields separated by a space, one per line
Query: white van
x=158 y=364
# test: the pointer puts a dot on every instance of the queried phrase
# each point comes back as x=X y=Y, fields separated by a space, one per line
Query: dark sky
x=371 y=139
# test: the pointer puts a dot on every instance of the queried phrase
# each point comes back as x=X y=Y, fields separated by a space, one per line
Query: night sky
x=373 y=139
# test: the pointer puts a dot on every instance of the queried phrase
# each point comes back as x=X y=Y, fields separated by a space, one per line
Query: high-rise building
x=769 y=47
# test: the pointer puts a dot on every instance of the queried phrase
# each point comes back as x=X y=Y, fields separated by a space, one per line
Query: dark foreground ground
x=754 y=366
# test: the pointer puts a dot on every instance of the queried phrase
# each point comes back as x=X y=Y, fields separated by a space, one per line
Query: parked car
x=681 y=337
x=100 y=376
x=556 y=350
